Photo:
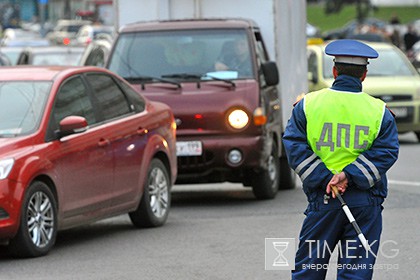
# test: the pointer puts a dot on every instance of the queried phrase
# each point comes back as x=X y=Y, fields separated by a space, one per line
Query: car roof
x=73 y=22
x=5 y=49
x=99 y=27
x=42 y=73
x=54 y=49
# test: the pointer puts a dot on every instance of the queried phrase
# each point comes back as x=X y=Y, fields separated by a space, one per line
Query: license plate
x=401 y=112
x=188 y=148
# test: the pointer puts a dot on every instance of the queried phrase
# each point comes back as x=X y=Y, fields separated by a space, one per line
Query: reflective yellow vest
x=341 y=125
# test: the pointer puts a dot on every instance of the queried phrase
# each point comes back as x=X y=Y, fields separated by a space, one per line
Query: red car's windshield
x=21 y=106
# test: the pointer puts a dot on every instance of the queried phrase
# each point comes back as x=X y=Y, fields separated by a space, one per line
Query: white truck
x=230 y=122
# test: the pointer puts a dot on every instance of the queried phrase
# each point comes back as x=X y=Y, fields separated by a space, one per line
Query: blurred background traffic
x=392 y=21
x=89 y=25
x=55 y=32
x=77 y=24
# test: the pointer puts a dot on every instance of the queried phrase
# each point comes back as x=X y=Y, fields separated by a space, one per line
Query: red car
x=78 y=144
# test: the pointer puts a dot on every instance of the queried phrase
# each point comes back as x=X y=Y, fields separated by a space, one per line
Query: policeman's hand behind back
x=340 y=181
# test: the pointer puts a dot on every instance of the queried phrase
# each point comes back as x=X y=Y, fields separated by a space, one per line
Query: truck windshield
x=183 y=55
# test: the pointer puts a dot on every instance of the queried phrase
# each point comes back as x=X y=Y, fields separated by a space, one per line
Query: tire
x=287 y=175
x=155 y=203
x=265 y=183
x=38 y=223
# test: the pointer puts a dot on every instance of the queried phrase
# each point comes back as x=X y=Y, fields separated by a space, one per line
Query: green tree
x=363 y=7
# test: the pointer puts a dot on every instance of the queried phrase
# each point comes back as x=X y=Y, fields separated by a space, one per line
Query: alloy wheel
x=40 y=219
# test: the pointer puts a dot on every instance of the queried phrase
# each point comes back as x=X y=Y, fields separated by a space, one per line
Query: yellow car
x=391 y=77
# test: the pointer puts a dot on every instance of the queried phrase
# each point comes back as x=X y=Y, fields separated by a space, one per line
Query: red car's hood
x=11 y=147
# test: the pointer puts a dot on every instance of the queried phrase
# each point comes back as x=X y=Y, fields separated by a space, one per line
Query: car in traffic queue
x=88 y=33
x=12 y=53
x=4 y=60
x=391 y=77
x=52 y=55
x=16 y=37
x=14 y=41
x=65 y=31
x=79 y=144
x=97 y=52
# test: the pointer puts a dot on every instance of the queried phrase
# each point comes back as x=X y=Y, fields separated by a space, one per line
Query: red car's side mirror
x=71 y=125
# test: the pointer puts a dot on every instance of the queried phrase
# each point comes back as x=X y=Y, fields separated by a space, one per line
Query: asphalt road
x=218 y=232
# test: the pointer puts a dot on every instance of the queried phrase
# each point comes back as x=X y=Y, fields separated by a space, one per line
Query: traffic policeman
x=344 y=137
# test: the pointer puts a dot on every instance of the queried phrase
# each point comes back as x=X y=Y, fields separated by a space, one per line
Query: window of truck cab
x=166 y=53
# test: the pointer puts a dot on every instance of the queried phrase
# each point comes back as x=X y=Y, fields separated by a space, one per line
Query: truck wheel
x=266 y=182
x=38 y=223
x=154 y=206
x=287 y=175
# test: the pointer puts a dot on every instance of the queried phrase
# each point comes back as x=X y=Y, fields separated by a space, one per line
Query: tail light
x=66 y=41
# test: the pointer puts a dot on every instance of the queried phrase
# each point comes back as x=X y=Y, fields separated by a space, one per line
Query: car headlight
x=238 y=119
x=5 y=167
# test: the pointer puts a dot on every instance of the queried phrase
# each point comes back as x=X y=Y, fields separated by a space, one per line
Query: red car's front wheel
x=38 y=223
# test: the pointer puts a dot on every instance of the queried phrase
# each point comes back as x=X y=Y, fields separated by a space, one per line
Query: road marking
x=405 y=183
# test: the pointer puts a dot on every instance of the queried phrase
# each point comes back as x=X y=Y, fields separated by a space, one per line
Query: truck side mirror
x=271 y=73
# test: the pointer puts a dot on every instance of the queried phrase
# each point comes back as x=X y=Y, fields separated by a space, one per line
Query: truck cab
x=216 y=76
